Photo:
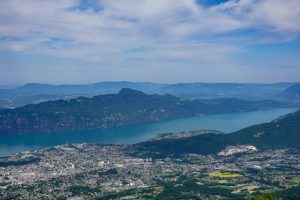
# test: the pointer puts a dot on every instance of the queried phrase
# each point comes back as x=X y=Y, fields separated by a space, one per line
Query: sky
x=168 y=41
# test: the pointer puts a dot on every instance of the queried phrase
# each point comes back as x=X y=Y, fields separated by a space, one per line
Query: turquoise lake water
x=227 y=123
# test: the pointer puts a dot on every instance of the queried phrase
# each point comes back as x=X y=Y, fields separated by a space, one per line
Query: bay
x=227 y=122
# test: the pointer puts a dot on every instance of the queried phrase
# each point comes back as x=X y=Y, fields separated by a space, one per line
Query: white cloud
x=171 y=30
x=272 y=16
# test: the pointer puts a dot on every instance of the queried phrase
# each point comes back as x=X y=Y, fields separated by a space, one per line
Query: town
x=94 y=171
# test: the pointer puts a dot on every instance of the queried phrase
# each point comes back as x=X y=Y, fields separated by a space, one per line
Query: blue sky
x=170 y=41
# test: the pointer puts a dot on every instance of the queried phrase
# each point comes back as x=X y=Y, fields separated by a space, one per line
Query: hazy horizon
x=9 y=86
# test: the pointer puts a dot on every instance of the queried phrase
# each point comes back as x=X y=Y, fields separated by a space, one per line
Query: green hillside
x=281 y=133
x=127 y=107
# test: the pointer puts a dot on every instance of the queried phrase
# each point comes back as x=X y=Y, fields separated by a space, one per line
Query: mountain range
x=36 y=93
x=126 y=107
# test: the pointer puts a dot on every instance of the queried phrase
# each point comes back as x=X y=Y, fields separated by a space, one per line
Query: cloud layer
x=157 y=32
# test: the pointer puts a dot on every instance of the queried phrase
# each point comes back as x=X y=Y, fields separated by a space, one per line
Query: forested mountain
x=127 y=107
x=281 y=133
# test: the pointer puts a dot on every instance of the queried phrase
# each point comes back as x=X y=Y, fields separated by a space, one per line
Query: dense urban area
x=94 y=171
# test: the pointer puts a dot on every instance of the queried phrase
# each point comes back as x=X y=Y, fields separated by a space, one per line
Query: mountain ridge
x=281 y=133
x=291 y=93
x=36 y=92
x=127 y=107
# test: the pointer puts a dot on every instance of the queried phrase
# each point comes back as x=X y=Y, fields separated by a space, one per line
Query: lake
x=227 y=123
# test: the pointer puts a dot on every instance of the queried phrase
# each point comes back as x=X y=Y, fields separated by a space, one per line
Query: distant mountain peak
x=128 y=91
x=291 y=93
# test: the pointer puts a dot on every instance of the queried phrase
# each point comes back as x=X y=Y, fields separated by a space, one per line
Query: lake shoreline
x=226 y=122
